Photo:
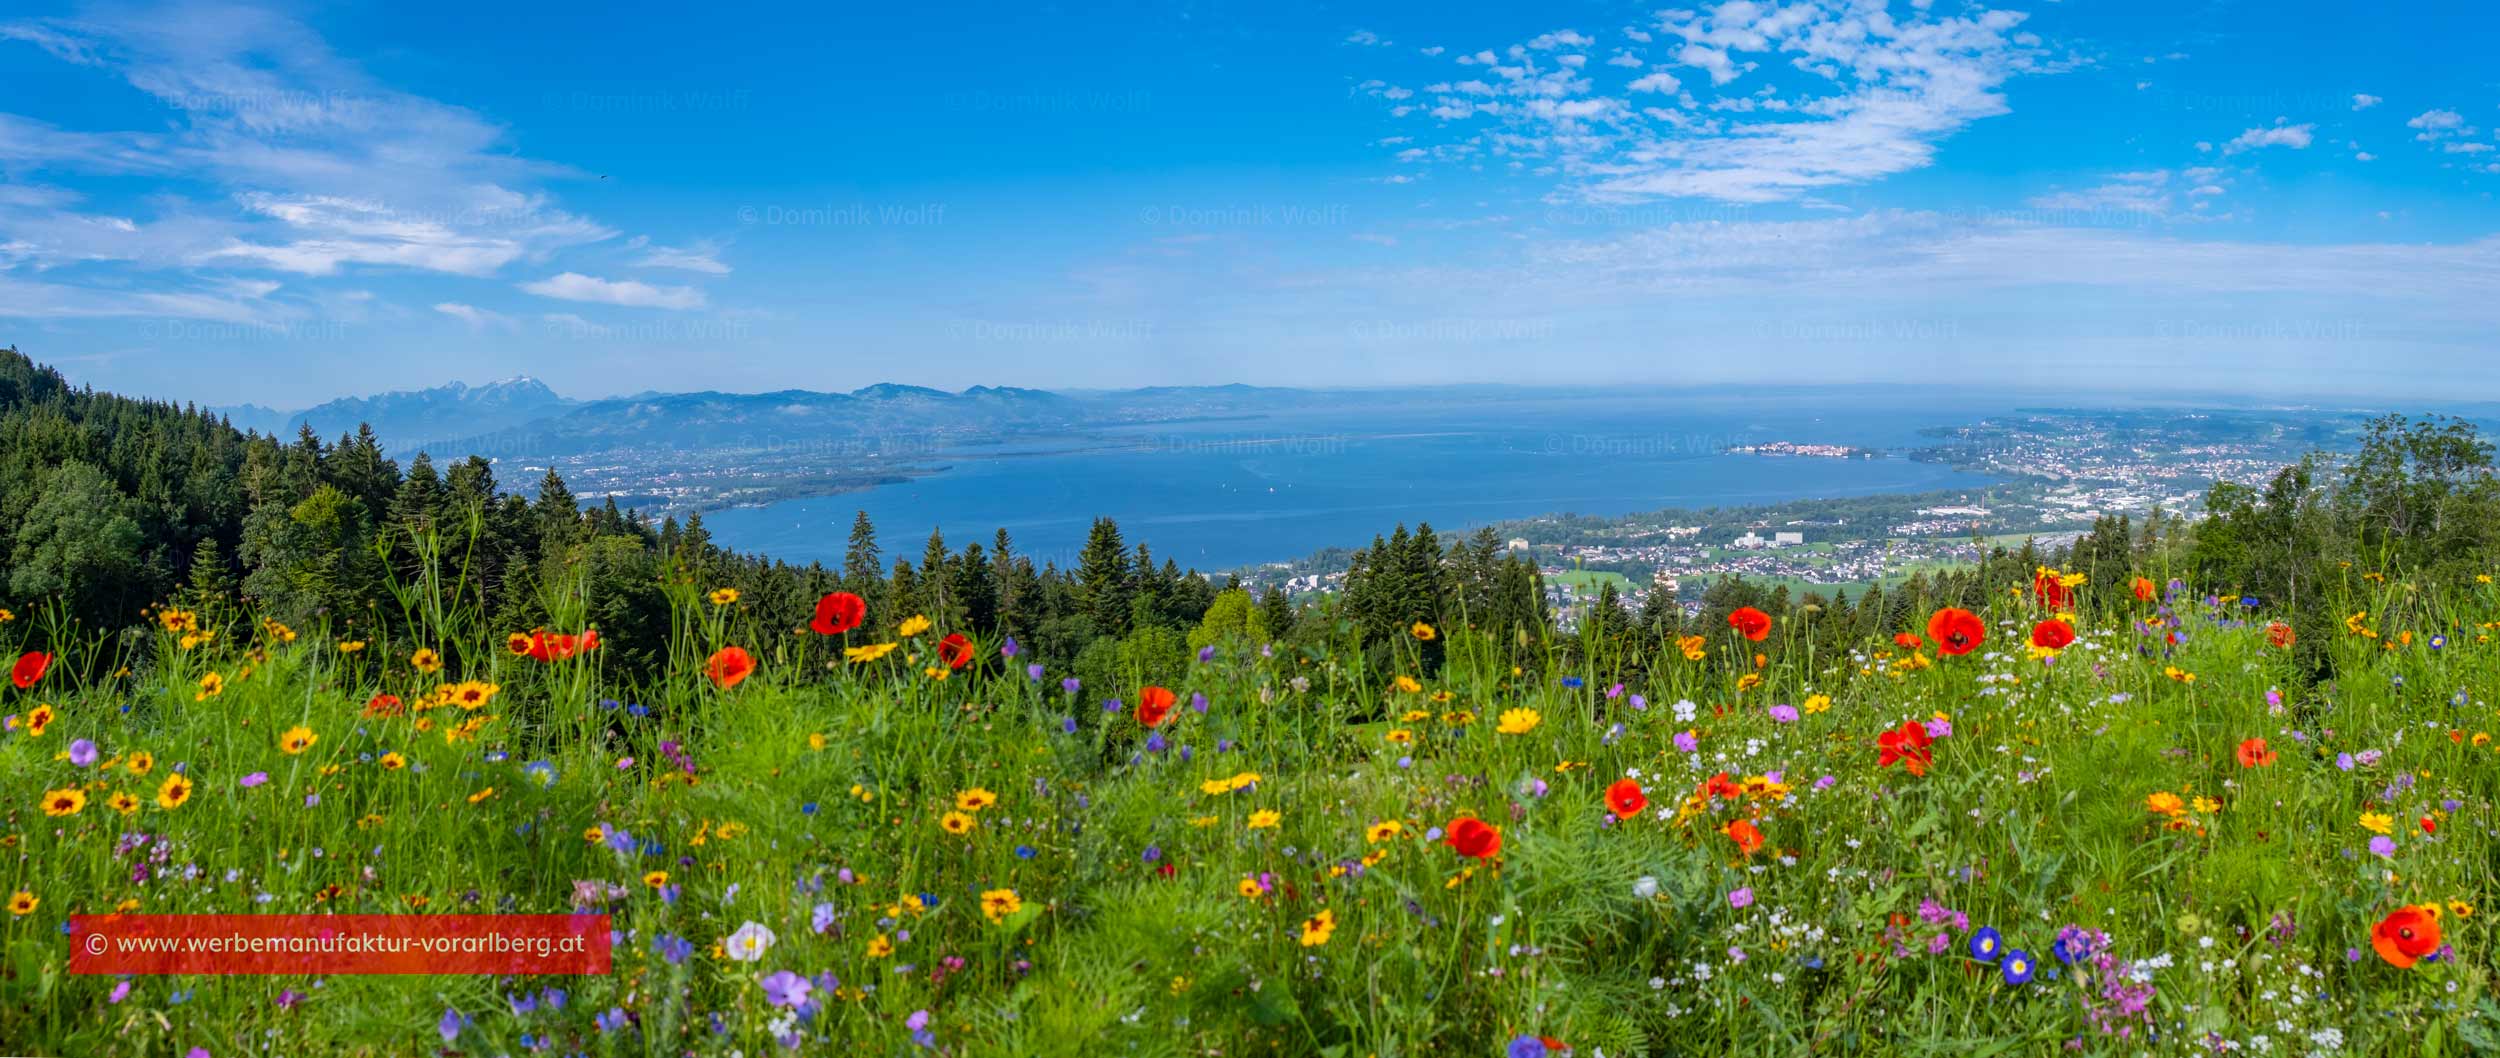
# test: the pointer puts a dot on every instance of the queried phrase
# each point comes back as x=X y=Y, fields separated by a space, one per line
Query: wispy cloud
x=632 y=293
x=694 y=257
x=478 y=319
x=279 y=156
x=1878 y=94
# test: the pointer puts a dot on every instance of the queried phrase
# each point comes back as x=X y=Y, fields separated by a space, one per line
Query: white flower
x=750 y=942
x=1645 y=887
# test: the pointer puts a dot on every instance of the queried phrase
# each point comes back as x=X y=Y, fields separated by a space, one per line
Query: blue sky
x=286 y=204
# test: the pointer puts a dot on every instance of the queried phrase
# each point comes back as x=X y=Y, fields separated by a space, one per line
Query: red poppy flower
x=2052 y=591
x=382 y=705
x=2052 y=634
x=728 y=665
x=1474 y=838
x=1154 y=705
x=29 y=668
x=1625 y=799
x=1907 y=744
x=2143 y=589
x=1748 y=837
x=1751 y=623
x=1956 y=631
x=838 y=613
x=1722 y=786
x=956 y=650
x=2430 y=826
x=1908 y=641
x=2280 y=635
x=549 y=646
x=2254 y=754
x=2406 y=935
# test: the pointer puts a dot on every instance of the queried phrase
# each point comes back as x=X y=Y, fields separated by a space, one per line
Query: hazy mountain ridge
x=407 y=420
x=523 y=417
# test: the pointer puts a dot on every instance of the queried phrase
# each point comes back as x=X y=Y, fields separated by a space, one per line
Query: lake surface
x=1225 y=494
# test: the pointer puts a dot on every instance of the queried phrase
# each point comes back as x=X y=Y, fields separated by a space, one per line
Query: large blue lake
x=1223 y=494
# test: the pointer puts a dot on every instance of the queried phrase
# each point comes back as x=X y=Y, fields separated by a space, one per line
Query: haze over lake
x=1222 y=494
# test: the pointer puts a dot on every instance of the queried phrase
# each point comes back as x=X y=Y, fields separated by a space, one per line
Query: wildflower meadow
x=2008 y=829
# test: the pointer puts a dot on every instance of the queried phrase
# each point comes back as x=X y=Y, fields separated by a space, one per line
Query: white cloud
x=1897 y=87
x=574 y=286
x=701 y=256
x=1367 y=39
x=271 y=153
x=2439 y=125
x=2143 y=194
x=478 y=319
x=1661 y=81
x=2364 y=101
x=2296 y=137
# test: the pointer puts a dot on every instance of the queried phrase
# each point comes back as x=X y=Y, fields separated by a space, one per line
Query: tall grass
x=1157 y=919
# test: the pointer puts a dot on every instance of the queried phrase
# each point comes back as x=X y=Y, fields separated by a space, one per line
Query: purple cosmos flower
x=2383 y=847
x=1740 y=899
x=82 y=752
x=1785 y=714
x=1207 y=652
x=1939 y=727
x=1070 y=685
x=451 y=1024
x=254 y=779
x=1687 y=742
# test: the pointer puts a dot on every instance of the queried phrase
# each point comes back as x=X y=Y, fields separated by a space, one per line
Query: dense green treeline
x=110 y=504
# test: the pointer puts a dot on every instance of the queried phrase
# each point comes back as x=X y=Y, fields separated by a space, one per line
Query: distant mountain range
x=409 y=420
x=523 y=417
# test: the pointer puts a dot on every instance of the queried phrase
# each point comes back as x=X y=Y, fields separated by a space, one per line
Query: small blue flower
x=1986 y=944
x=2018 y=967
